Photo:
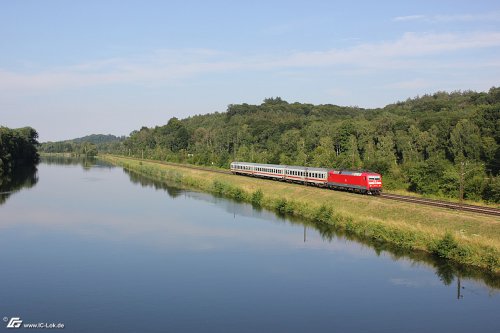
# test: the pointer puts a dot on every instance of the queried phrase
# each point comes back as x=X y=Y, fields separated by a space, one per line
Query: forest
x=442 y=144
x=18 y=148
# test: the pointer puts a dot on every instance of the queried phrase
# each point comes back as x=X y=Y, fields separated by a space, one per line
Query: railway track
x=444 y=204
x=404 y=198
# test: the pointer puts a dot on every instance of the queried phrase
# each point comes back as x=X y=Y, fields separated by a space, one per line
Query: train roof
x=294 y=167
x=355 y=172
x=297 y=167
x=261 y=164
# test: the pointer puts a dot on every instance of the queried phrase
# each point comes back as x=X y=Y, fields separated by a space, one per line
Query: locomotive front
x=374 y=183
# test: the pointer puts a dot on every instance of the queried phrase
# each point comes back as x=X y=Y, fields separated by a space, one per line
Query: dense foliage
x=88 y=145
x=18 y=147
x=435 y=144
x=445 y=144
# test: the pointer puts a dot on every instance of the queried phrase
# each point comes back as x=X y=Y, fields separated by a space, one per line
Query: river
x=101 y=249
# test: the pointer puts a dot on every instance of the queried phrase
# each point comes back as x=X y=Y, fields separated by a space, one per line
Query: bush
x=218 y=187
x=492 y=261
x=323 y=214
x=237 y=193
x=446 y=247
x=284 y=207
x=257 y=198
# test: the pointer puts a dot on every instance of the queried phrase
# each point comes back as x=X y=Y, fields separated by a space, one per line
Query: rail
x=444 y=204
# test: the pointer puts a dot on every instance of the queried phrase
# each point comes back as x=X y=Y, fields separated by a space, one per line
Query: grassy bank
x=465 y=238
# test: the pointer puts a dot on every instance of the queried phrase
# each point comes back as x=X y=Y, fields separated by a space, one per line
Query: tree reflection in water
x=22 y=178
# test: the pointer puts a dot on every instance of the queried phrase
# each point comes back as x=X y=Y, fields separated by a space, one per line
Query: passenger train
x=356 y=181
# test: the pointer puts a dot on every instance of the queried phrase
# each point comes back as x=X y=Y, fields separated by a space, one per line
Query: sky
x=73 y=68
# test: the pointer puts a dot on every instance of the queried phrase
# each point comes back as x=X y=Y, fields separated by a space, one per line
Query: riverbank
x=465 y=238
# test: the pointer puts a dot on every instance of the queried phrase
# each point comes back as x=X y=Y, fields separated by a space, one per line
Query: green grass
x=462 y=237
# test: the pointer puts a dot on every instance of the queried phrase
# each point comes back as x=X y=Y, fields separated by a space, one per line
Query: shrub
x=492 y=261
x=323 y=214
x=445 y=247
x=237 y=193
x=218 y=187
x=284 y=207
x=257 y=198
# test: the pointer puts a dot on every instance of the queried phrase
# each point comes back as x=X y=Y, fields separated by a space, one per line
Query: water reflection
x=446 y=271
x=111 y=251
x=139 y=179
x=22 y=178
x=85 y=162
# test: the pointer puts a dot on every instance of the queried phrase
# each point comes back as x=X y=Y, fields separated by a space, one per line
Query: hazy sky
x=72 y=68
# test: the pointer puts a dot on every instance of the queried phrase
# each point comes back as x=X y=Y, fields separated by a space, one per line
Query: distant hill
x=97 y=138
x=90 y=144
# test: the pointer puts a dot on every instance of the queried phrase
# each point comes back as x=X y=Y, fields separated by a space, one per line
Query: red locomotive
x=357 y=181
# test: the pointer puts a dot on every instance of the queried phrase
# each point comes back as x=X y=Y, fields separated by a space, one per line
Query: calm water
x=103 y=250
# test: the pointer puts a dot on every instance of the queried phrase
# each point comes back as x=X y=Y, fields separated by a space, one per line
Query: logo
x=14 y=322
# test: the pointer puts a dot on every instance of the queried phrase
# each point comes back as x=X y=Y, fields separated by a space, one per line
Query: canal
x=101 y=249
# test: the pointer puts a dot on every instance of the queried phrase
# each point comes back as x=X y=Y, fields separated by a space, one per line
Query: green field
x=463 y=237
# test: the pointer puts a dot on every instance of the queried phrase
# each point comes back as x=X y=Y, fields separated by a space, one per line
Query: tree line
x=18 y=147
x=443 y=144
